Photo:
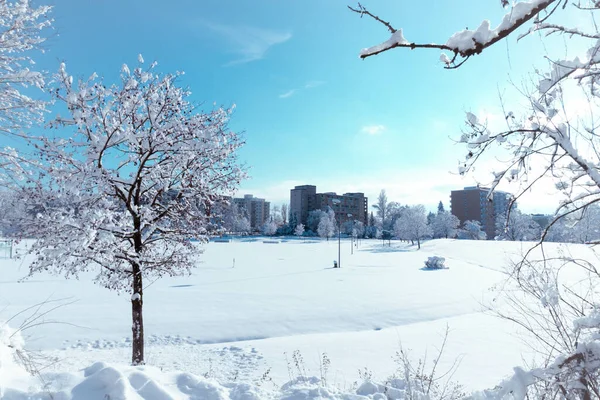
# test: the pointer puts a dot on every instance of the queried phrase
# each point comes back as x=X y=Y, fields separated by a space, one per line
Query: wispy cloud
x=250 y=43
x=308 y=85
x=313 y=84
x=287 y=94
x=373 y=129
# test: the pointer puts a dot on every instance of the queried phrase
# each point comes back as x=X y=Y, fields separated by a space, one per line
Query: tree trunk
x=137 y=326
x=418 y=244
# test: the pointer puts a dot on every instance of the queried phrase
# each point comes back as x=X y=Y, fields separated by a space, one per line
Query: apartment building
x=347 y=206
x=472 y=203
x=302 y=201
x=257 y=210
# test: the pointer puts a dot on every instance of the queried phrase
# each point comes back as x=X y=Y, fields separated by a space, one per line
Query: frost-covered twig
x=465 y=43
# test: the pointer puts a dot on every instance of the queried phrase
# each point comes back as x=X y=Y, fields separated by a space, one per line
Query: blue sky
x=311 y=110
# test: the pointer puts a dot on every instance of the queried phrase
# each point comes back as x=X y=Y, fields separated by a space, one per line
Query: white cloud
x=313 y=84
x=308 y=85
x=373 y=129
x=287 y=94
x=250 y=43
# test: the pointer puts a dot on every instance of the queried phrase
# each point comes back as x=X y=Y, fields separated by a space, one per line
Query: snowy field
x=250 y=305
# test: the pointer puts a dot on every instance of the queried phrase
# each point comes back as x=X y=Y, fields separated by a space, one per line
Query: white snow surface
x=229 y=323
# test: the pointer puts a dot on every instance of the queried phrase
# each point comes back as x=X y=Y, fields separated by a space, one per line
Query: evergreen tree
x=430 y=218
x=293 y=222
x=441 y=207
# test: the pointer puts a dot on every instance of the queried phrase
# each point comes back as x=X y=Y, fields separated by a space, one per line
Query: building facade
x=302 y=201
x=472 y=204
x=347 y=207
x=257 y=210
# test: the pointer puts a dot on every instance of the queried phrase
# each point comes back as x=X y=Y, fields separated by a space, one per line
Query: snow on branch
x=465 y=43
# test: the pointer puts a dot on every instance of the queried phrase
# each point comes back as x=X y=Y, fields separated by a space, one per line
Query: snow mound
x=101 y=382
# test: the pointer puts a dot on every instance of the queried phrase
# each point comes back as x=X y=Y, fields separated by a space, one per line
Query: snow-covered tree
x=347 y=227
x=472 y=230
x=371 y=219
x=314 y=217
x=358 y=230
x=136 y=171
x=299 y=231
x=441 y=207
x=12 y=213
x=353 y=228
x=372 y=231
x=550 y=134
x=580 y=227
x=327 y=225
x=585 y=225
x=284 y=213
x=445 y=225
x=394 y=211
x=269 y=228
x=235 y=219
x=243 y=225
x=21 y=29
x=276 y=216
x=412 y=225
x=430 y=218
x=518 y=227
x=382 y=208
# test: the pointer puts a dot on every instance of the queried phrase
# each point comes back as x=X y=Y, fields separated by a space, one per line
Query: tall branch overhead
x=465 y=43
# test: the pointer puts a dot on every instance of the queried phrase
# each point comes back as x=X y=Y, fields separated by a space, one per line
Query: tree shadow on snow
x=391 y=249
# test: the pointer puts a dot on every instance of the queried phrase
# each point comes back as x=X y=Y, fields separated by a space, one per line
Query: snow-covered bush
x=435 y=262
x=269 y=228
x=299 y=231
x=472 y=230
x=11 y=345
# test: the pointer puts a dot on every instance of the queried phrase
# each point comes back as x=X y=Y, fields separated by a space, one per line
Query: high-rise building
x=257 y=210
x=502 y=202
x=472 y=204
x=302 y=201
x=348 y=206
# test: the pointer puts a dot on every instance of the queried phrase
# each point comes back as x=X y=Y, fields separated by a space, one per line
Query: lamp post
x=338 y=201
x=351 y=235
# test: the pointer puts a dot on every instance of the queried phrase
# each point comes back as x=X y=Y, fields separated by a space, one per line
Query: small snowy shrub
x=11 y=355
x=435 y=263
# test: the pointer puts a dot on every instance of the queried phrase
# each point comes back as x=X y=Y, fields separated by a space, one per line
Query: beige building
x=348 y=206
x=257 y=210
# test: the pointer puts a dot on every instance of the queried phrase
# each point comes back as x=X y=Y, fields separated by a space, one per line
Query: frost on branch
x=465 y=43
x=555 y=136
x=21 y=28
